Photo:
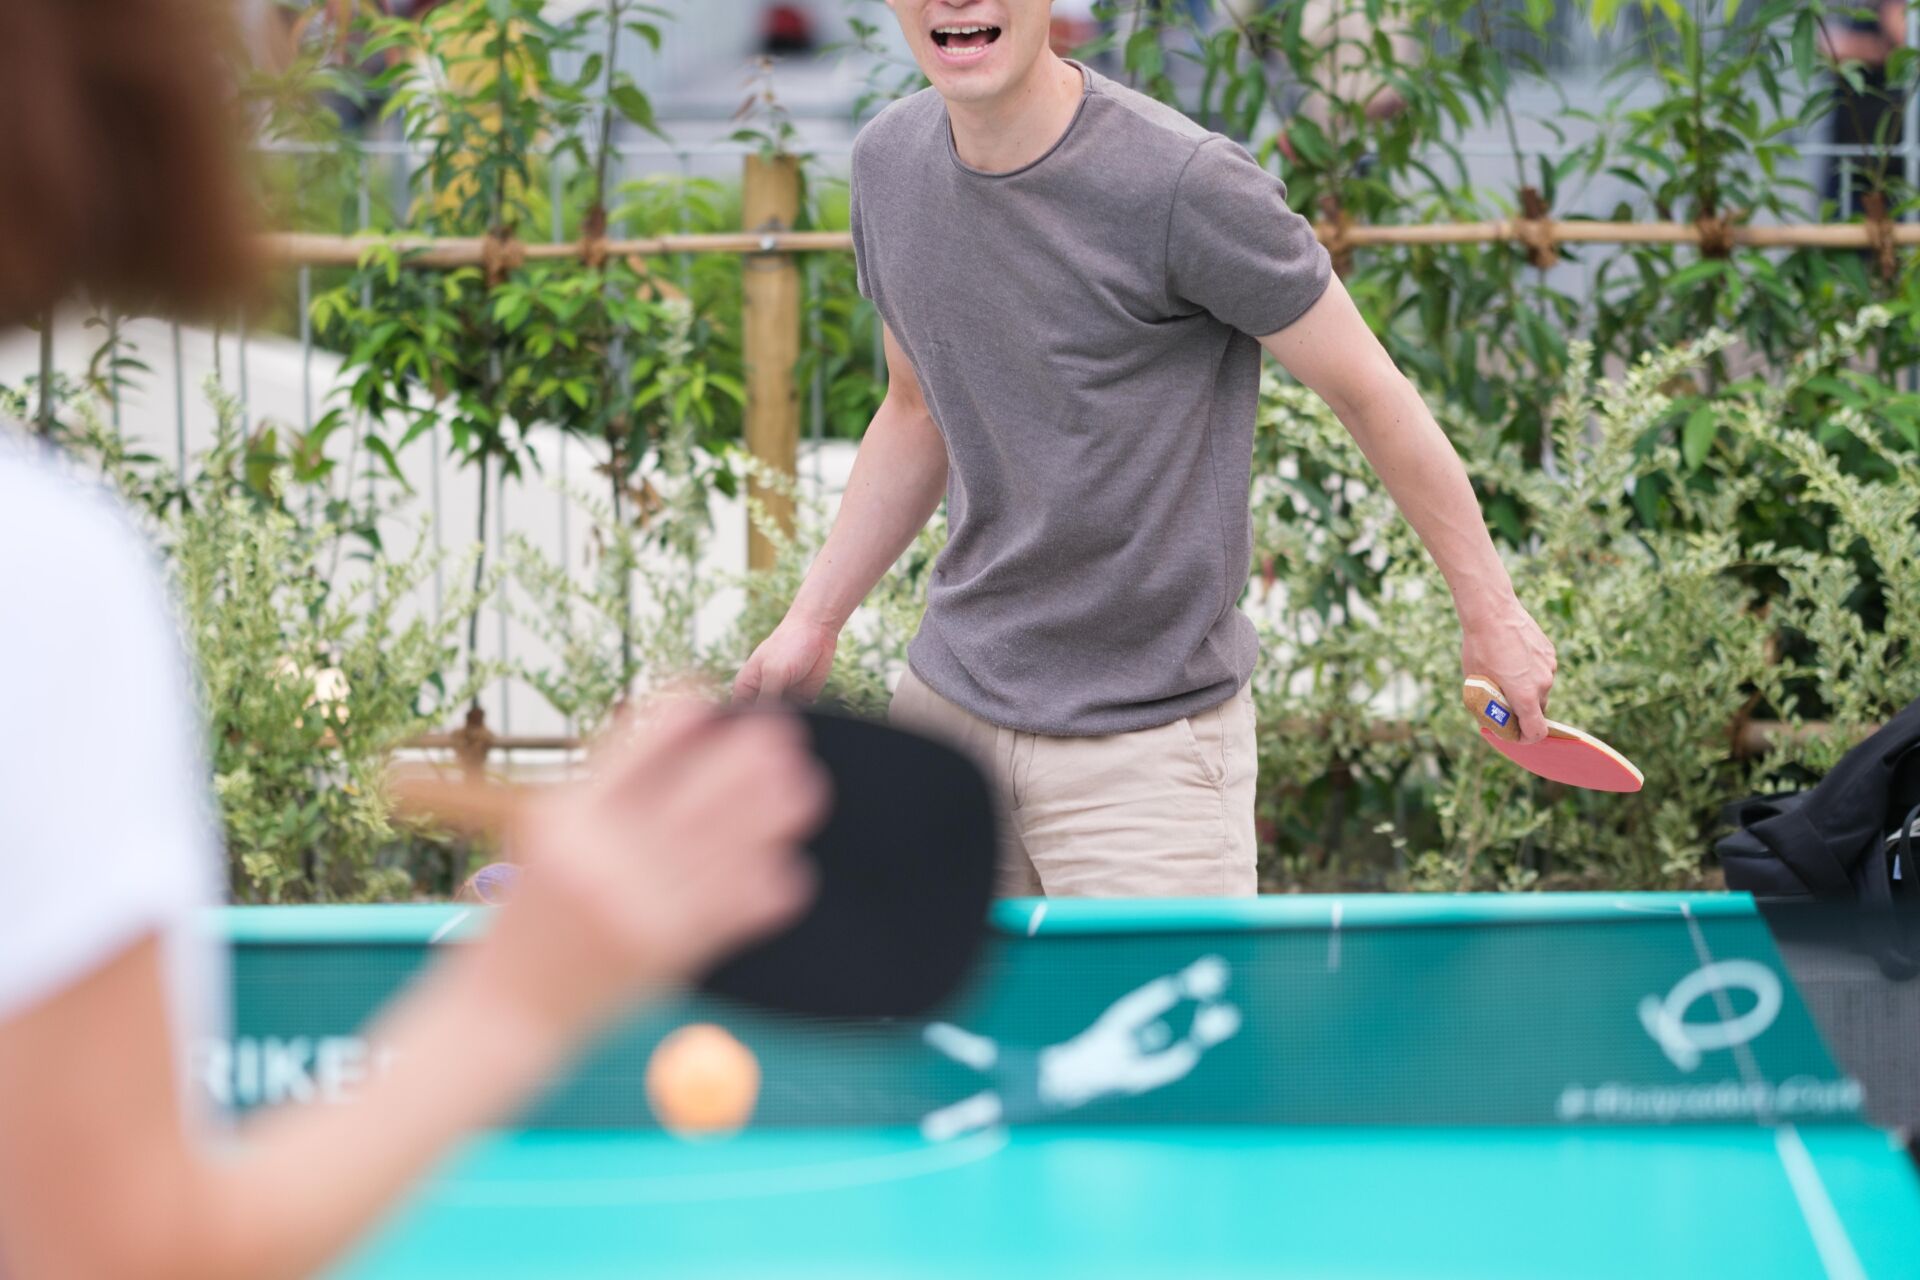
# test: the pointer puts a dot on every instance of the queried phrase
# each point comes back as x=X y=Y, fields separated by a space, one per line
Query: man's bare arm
x=1332 y=351
x=898 y=480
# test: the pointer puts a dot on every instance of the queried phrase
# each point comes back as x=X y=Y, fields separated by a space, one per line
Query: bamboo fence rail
x=303 y=249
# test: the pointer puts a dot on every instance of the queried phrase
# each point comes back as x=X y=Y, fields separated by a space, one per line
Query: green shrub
x=1664 y=638
x=311 y=672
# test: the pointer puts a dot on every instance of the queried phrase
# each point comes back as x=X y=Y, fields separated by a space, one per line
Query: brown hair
x=119 y=163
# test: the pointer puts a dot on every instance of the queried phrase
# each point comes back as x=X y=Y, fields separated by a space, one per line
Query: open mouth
x=968 y=40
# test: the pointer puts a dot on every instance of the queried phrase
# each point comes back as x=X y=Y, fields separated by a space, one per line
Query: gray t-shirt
x=1080 y=328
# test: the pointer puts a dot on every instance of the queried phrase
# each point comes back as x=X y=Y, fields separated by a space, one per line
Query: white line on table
x=1653 y=908
x=1837 y=1256
x=834 y=1175
x=448 y=927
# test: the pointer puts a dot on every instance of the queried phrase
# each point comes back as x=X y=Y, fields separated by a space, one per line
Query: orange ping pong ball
x=701 y=1080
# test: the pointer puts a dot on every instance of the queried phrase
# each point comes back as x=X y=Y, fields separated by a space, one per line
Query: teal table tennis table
x=1567 y=1085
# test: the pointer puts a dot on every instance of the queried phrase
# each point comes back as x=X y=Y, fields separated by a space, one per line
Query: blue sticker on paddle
x=1497 y=713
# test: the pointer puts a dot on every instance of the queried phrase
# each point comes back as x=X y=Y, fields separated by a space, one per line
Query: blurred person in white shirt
x=121 y=184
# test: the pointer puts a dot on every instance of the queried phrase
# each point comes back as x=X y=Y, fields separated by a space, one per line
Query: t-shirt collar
x=1086 y=93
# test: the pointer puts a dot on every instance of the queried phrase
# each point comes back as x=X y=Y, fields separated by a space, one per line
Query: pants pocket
x=1206 y=739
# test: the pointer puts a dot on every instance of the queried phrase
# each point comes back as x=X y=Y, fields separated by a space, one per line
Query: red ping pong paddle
x=1566 y=754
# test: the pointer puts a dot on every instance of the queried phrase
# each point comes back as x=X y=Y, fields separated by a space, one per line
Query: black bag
x=1850 y=838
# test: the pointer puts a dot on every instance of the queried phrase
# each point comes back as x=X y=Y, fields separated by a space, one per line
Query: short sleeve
x=1235 y=249
x=862 y=265
x=106 y=831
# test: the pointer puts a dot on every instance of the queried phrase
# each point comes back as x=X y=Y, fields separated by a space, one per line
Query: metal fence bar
x=556 y=229
x=425 y=177
x=306 y=348
x=306 y=363
x=363 y=214
x=246 y=417
x=113 y=369
x=683 y=263
x=179 y=406
x=1910 y=117
x=501 y=613
x=1910 y=145
x=437 y=523
x=46 y=374
x=500 y=547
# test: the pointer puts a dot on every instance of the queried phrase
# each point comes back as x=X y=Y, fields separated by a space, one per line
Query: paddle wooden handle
x=1492 y=712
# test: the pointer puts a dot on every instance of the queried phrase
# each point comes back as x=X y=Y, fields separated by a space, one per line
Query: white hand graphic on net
x=1129 y=1049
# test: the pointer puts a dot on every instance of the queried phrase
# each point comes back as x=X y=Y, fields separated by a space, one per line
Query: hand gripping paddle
x=903 y=866
x=1566 y=754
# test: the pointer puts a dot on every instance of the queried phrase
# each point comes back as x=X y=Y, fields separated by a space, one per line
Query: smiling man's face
x=975 y=50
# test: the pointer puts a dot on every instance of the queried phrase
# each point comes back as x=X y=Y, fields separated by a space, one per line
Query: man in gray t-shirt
x=1077 y=283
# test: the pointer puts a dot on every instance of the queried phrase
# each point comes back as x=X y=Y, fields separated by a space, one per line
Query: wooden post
x=770 y=202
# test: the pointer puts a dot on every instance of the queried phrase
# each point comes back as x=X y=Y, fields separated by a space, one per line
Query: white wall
x=536 y=508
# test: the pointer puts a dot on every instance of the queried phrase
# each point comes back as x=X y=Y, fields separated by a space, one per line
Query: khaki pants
x=1159 y=813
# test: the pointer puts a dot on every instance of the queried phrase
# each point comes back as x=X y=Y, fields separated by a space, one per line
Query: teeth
x=961 y=31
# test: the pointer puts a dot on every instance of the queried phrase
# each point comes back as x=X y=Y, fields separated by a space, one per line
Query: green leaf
x=1695 y=273
x=728 y=386
x=380 y=450
x=1697 y=436
x=1848 y=392
x=1312 y=144
x=633 y=104
x=1505 y=518
x=1649 y=499
x=1143 y=50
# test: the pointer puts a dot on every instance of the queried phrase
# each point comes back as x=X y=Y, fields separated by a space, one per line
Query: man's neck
x=1019 y=126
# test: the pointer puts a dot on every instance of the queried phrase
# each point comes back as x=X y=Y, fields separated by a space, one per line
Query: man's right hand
x=792 y=664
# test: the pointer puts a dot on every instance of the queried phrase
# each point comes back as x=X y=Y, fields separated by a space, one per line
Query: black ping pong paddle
x=905 y=866
x=903 y=870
